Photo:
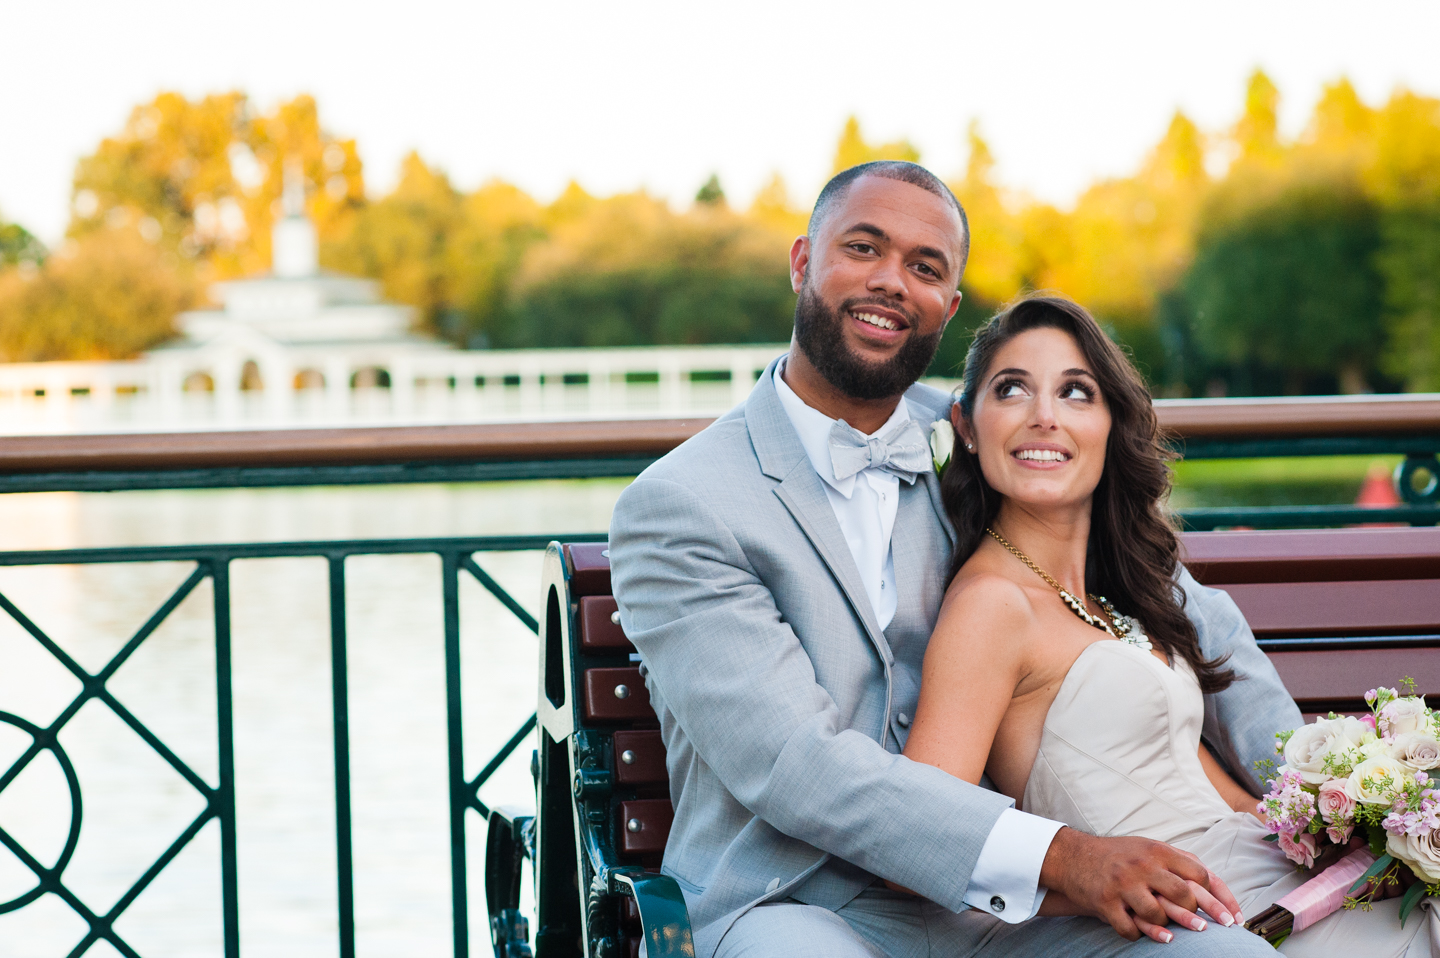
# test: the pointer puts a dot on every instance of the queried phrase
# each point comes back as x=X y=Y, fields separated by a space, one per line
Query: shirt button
x=903 y=720
x=997 y=904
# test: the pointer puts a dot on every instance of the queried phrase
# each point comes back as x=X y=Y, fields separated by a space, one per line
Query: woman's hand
x=1136 y=885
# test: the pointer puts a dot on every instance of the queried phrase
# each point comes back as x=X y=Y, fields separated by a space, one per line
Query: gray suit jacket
x=772 y=679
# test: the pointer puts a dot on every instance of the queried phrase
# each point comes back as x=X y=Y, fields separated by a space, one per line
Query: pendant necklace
x=1126 y=629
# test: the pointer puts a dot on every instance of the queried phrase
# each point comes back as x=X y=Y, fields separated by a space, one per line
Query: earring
x=969 y=448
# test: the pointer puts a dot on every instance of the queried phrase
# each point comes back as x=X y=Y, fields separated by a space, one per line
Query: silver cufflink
x=997 y=904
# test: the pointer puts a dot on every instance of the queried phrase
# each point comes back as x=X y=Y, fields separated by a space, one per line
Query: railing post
x=450 y=575
x=225 y=727
x=340 y=704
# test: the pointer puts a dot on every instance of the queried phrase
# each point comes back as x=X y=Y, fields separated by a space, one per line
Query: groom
x=781 y=573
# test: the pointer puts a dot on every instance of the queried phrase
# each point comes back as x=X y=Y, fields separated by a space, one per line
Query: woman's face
x=1039 y=424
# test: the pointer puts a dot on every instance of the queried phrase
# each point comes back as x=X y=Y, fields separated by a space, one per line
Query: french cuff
x=1006 y=879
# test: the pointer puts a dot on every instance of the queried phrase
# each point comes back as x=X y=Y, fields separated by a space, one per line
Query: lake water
x=135 y=805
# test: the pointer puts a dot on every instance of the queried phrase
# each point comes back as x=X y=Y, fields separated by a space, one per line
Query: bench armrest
x=664 y=919
x=509 y=840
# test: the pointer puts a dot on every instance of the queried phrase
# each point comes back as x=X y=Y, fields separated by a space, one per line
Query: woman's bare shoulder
x=985 y=610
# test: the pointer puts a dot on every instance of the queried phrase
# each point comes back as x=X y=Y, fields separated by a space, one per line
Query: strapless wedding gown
x=1119 y=756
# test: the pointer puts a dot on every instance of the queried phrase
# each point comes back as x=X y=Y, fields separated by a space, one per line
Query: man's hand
x=1135 y=884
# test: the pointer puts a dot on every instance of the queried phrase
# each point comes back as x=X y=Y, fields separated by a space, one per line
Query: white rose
x=942 y=443
x=1377 y=780
x=1420 y=852
x=1419 y=750
x=1404 y=715
x=1305 y=752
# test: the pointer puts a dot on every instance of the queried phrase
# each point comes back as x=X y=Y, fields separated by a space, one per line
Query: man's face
x=877 y=286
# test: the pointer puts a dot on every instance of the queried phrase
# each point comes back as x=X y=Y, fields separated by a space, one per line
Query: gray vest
x=922 y=555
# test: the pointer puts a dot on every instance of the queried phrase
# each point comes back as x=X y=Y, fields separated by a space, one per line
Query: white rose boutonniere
x=942 y=444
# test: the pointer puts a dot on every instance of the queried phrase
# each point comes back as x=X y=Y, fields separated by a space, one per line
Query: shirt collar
x=813 y=427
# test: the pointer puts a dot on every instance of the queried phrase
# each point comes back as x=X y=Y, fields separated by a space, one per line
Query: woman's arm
x=1230 y=790
x=972 y=665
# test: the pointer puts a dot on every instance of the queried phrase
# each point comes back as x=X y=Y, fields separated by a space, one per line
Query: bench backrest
x=1339 y=611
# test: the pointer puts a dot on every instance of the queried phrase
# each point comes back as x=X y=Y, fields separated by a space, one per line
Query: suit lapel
x=803 y=493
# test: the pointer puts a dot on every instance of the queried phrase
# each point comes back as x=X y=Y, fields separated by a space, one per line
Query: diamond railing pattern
x=213 y=562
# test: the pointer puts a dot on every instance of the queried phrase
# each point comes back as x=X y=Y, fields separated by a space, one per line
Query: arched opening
x=198 y=382
x=371 y=377
x=250 y=377
x=309 y=379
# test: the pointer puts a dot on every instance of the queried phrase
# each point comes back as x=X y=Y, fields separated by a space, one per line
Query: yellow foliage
x=772 y=208
x=852 y=150
x=109 y=295
x=202 y=178
x=1000 y=261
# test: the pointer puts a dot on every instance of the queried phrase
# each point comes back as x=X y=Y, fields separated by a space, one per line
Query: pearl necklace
x=1127 y=629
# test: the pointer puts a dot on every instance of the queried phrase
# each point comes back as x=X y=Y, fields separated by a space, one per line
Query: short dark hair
x=902 y=170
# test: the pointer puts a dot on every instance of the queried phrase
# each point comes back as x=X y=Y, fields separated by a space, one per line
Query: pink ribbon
x=1323 y=894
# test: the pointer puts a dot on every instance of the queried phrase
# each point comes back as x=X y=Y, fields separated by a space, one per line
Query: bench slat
x=1312 y=555
x=1340 y=608
x=646 y=751
x=1348 y=674
x=653 y=816
x=589 y=568
x=598 y=632
x=617 y=695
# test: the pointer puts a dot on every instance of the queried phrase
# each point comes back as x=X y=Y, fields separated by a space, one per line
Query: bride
x=1062 y=664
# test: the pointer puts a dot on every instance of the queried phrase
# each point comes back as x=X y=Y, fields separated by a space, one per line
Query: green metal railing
x=212 y=562
x=458 y=558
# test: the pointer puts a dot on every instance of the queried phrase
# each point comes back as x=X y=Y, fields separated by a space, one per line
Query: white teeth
x=874 y=320
x=1042 y=455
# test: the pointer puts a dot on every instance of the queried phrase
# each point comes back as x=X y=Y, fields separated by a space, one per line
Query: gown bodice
x=1119 y=753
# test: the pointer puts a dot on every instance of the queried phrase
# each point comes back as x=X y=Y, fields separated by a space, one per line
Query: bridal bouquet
x=1344 y=776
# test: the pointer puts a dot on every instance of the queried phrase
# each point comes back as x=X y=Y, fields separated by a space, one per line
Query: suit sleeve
x=1241 y=722
x=736 y=679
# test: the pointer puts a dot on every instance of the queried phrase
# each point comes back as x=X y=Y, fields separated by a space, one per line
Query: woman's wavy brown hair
x=1133 y=551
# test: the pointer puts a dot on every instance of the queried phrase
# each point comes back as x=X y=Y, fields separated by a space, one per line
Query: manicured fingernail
x=1198 y=924
x=1225 y=919
x=1166 y=937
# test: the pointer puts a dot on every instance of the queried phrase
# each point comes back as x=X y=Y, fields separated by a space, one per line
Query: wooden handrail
x=512 y=442
x=1300 y=416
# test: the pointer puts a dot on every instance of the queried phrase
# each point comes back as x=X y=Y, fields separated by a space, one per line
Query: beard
x=820 y=333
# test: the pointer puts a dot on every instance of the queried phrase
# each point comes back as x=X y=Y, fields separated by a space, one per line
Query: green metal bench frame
x=573 y=839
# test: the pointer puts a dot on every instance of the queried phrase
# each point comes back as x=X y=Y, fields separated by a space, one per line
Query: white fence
x=166 y=391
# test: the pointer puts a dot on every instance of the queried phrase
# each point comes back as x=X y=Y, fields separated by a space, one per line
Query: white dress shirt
x=1006 y=878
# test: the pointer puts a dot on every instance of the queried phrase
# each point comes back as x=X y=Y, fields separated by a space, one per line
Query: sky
x=635 y=94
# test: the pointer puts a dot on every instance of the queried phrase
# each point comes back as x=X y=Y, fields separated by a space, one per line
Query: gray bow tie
x=903 y=451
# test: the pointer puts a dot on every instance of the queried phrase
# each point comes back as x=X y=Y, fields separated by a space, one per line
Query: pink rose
x=1300 y=849
x=1334 y=803
x=1340 y=835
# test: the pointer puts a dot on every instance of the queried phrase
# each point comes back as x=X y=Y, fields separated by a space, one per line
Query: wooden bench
x=1338 y=611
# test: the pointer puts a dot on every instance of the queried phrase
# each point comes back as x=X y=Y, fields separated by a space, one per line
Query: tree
x=852 y=150
x=407 y=241
x=1405 y=177
x=109 y=295
x=18 y=245
x=772 y=209
x=1287 y=295
x=201 y=178
x=711 y=193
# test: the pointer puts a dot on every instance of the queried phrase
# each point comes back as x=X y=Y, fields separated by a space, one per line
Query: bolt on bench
x=1338 y=611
